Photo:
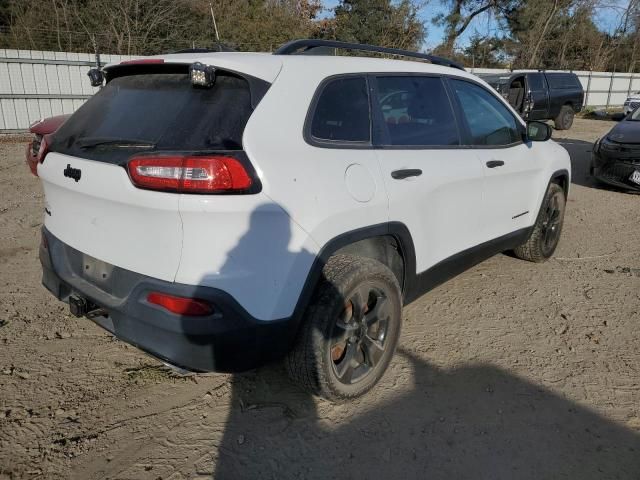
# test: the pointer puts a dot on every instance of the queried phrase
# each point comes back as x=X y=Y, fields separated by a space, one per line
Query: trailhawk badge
x=74 y=173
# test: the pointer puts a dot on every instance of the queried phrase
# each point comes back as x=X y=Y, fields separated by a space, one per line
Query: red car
x=37 y=148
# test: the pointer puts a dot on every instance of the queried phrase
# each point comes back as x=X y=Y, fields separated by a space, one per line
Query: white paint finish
x=442 y=208
x=260 y=65
x=308 y=181
x=509 y=190
x=259 y=248
x=247 y=246
x=105 y=216
x=360 y=184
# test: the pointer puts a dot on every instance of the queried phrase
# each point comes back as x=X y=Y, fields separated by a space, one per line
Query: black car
x=616 y=156
x=541 y=95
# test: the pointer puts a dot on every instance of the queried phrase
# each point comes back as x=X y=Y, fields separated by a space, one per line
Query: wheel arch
x=389 y=243
x=561 y=177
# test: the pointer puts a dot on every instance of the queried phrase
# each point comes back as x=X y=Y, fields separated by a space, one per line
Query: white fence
x=36 y=85
x=602 y=89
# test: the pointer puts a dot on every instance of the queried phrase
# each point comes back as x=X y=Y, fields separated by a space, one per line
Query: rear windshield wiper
x=92 y=142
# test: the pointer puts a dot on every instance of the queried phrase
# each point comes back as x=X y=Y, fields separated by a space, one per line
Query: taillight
x=192 y=307
x=189 y=174
x=36 y=151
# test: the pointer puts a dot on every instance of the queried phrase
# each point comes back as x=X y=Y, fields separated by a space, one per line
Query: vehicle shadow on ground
x=580 y=153
x=473 y=422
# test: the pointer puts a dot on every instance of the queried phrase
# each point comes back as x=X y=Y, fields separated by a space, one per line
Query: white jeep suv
x=222 y=210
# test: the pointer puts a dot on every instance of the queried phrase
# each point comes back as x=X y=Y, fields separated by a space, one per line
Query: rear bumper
x=229 y=340
x=615 y=172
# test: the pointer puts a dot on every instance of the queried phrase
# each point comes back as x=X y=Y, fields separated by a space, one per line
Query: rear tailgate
x=105 y=216
x=92 y=204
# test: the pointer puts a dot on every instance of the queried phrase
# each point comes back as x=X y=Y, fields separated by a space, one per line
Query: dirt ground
x=510 y=371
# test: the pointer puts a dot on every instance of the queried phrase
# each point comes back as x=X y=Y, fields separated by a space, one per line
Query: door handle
x=407 y=172
x=495 y=163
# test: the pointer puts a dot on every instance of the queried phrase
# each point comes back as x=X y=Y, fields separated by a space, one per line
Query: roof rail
x=306 y=45
x=221 y=47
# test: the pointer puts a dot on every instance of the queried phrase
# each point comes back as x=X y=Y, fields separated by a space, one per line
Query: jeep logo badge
x=74 y=173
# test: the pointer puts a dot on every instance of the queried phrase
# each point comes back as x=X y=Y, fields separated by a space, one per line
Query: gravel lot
x=510 y=371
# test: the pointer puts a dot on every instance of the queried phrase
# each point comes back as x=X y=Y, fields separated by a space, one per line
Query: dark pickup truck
x=541 y=95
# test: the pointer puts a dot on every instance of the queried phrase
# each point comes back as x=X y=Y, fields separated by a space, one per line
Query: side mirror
x=538 y=132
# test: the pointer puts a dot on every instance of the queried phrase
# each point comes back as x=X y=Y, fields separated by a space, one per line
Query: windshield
x=160 y=111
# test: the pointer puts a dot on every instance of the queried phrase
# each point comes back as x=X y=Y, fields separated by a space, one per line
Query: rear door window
x=342 y=113
x=563 y=80
x=536 y=81
x=416 y=112
x=154 y=112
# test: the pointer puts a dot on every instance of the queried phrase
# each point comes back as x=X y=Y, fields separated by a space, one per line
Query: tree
x=377 y=22
x=457 y=20
x=486 y=52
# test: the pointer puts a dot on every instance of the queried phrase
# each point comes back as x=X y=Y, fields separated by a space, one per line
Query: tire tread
x=305 y=363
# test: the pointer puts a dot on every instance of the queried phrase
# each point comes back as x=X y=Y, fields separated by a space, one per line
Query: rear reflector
x=180 y=305
x=189 y=174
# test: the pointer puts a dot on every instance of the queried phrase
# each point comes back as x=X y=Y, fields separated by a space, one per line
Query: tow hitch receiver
x=78 y=306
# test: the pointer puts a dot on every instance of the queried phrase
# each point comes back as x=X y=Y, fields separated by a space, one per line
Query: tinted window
x=490 y=122
x=163 y=110
x=536 y=81
x=563 y=80
x=342 y=111
x=416 y=112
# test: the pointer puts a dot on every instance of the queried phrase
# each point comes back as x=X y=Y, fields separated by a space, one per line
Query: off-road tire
x=535 y=249
x=564 y=120
x=310 y=363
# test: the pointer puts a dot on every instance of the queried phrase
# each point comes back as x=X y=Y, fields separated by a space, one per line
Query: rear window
x=342 y=112
x=160 y=111
x=562 y=80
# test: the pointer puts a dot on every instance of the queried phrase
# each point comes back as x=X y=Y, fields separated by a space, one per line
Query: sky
x=606 y=18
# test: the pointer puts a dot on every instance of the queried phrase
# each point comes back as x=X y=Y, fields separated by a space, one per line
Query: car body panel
x=616 y=156
x=104 y=216
x=262 y=251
